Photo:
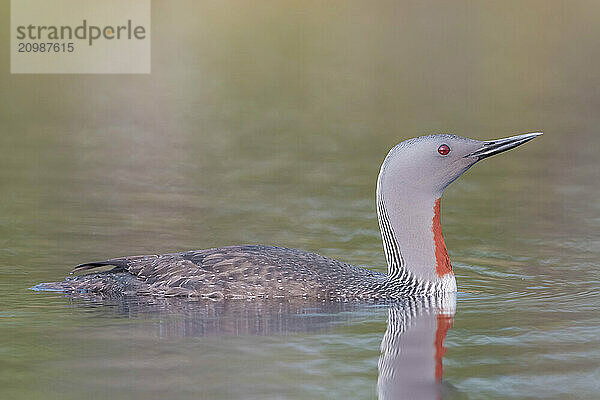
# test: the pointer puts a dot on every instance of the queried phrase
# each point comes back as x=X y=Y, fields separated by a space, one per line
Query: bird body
x=411 y=181
x=245 y=272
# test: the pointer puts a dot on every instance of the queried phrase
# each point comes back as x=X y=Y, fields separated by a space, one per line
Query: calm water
x=267 y=124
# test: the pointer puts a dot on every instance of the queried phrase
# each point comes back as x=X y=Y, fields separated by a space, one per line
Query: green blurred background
x=303 y=95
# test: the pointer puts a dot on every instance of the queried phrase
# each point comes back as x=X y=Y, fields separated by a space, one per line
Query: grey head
x=430 y=163
x=411 y=181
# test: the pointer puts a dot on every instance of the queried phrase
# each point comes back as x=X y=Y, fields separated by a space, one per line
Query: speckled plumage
x=243 y=272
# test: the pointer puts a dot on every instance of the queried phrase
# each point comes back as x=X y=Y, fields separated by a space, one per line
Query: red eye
x=444 y=149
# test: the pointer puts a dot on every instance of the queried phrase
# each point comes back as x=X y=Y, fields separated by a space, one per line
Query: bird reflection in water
x=412 y=349
x=410 y=364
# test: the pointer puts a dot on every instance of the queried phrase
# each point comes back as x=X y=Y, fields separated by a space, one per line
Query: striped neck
x=413 y=243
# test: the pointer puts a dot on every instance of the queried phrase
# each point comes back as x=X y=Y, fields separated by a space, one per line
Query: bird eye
x=444 y=149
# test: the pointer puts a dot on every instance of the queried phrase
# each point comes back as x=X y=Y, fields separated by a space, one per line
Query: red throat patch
x=443 y=266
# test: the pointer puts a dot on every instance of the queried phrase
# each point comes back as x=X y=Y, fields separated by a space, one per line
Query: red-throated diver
x=411 y=181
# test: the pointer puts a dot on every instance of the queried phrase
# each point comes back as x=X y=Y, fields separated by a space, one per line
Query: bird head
x=428 y=164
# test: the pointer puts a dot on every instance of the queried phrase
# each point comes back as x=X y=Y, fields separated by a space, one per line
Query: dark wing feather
x=122 y=262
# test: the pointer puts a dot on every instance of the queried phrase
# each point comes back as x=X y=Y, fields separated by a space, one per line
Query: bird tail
x=63 y=287
x=72 y=284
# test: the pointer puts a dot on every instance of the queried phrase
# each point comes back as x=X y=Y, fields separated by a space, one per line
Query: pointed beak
x=494 y=147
